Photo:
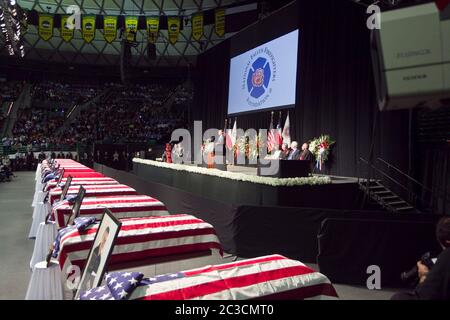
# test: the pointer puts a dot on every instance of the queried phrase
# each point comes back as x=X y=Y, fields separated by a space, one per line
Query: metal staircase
x=395 y=190
x=386 y=197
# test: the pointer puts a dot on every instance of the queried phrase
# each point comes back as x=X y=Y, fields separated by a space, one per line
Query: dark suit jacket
x=294 y=155
x=437 y=283
x=284 y=154
x=95 y=262
x=306 y=155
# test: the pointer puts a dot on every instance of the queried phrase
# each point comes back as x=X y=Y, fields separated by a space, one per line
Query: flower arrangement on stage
x=314 y=180
x=247 y=147
x=320 y=148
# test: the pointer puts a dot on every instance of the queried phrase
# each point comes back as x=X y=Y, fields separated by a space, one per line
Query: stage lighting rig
x=12 y=20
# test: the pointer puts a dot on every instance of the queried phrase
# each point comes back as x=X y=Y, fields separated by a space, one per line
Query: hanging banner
x=173 y=28
x=45 y=26
x=131 y=24
x=110 y=28
x=88 y=28
x=152 y=28
x=197 y=26
x=66 y=31
x=219 y=15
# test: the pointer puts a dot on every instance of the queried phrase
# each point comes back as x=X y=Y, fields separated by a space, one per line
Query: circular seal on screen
x=259 y=74
x=258 y=77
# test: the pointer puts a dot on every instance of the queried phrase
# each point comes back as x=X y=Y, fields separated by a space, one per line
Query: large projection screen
x=264 y=77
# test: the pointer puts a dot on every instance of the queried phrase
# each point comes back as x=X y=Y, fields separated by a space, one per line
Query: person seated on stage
x=284 y=151
x=294 y=154
x=306 y=154
x=433 y=284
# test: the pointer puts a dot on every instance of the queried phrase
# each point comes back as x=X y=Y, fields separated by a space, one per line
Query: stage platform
x=312 y=230
x=227 y=186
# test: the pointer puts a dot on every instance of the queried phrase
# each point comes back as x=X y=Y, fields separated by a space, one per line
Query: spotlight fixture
x=11 y=24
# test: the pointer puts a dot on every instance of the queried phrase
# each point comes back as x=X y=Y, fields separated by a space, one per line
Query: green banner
x=67 y=28
x=45 y=26
x=173 y=24
x=197 y=26
x=88 y=28
x=131 y=24
x=152 y=28
x=219 y=15
x=110 y=28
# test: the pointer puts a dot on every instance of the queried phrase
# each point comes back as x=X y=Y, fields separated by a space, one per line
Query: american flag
x=82 y=181
x=99 y=293
x=271 y=136
x=83 y=174
x=94 y=191
x=118 y=286
x=141 y=239
x=121 y=206
x=269 y=277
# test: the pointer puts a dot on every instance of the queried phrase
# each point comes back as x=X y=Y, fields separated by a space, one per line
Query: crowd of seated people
x=132 y=113
x=64 y=92
x=37 y=127
x=10 y=91
x=128 y=114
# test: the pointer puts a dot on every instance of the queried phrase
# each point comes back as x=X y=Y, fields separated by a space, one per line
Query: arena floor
x=16 y=249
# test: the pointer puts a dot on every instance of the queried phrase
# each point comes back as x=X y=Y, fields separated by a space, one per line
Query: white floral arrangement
x=275 y=182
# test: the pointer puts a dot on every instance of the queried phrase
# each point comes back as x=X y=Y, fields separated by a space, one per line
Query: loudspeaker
x=125 y=60
x=151 y=51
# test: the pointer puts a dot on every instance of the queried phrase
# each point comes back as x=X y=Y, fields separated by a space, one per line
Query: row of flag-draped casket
x=143 y=239
x=140 y=241
x=148 y=231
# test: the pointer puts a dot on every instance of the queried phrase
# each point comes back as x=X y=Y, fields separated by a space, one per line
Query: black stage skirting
x=340 y=196
x=347 y=246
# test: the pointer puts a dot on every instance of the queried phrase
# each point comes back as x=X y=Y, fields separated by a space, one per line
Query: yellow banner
x=66 y=28
x=45 y=26
x=219 y=15
x=173 y=28
x=110 y=28
x=152 y=29
x=88 y=28
x=197 y=26
x=131 y=25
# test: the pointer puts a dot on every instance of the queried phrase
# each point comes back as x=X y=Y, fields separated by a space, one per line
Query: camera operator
x=433 y=284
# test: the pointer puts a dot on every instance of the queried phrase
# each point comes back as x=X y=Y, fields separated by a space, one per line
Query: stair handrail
x=432 y=193
x=386 y=175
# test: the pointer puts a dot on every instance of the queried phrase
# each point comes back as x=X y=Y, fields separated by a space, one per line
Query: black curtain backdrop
x=335 y=91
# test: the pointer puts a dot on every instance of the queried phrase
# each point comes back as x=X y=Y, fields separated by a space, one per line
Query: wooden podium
x=287 y=169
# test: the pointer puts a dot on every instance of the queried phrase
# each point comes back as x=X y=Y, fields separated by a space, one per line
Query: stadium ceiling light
x=11 y=24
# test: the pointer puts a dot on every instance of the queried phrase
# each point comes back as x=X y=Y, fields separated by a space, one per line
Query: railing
x=424 y=199
x=434 y=196
x=410 y=195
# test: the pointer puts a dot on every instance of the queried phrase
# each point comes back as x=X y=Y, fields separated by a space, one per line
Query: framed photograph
x=66 y=188
x=76 y=206
x=99 y=253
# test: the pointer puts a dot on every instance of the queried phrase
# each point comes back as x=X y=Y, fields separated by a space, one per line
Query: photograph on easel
x=99 y=253
x=76 y=206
